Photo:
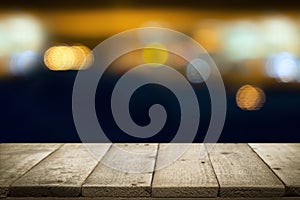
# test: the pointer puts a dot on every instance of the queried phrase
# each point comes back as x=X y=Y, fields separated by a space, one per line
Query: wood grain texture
x=188 y=176
x=28 y=171
x=17 y=159
x=105 y=181
x=60 y=174
x=284 y=160
x=241 y=173
x=144 y=198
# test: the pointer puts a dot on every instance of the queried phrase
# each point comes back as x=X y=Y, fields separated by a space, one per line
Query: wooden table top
x=69 y=171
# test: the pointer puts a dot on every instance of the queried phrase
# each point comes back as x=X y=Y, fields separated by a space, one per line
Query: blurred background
x=255 y=44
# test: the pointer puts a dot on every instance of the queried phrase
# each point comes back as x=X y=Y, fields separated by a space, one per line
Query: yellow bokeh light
x=250 y=98
x=83 y=57
x=68 y=57
x=59 y=58
x=155 y=53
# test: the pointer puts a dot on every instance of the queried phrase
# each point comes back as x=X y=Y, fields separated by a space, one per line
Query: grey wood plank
x=60 y=174
x=241 y=173
x=118 y=182
x=284 y=159
x=188 y=176
x=16 y=159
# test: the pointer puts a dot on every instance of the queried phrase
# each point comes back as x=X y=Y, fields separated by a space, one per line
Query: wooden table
x=69 y=171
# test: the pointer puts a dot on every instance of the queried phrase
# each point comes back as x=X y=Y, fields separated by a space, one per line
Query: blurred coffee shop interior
x=255 y=44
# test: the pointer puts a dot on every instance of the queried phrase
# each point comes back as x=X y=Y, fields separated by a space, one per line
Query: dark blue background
x=38 y=108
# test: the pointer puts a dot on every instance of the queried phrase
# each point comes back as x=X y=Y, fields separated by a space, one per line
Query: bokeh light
x=22 y=38
x=280 y=34
x=83 y=57
x=155 y=53
x=59 y=58
x=243 y=41
x=68 y=58
x=250 y=98
x=198 y=71
x=283 y=66
x=19 y=33
x=23 y=63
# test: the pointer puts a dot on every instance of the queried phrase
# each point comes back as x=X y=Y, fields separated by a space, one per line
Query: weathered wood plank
x=143 y=198
x=188 y=176
x=118 y=182
x=60 y=174
x=241 y=173
x=16 y=159
x=284 y=160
